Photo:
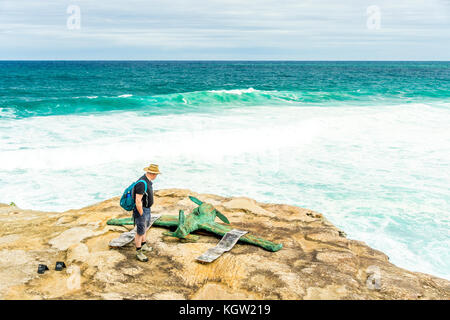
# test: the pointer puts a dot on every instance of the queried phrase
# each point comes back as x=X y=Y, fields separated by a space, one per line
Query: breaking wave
x=196 y=101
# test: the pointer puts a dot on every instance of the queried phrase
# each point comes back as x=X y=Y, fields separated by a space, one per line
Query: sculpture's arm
x=163 y=221
x=166 y=221
x=120 y=222
x=220 y=230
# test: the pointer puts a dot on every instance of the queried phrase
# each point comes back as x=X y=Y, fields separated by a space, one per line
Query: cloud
x=224 y=29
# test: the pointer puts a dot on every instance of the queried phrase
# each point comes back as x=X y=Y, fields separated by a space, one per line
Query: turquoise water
x=365 y=143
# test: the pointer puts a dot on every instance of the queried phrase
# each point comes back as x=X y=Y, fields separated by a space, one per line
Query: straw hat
x=153 y=168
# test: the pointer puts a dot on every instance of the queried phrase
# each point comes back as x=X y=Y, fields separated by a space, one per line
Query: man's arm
x=139 y=203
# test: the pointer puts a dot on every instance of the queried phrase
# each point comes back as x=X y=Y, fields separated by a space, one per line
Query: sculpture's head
x=206 y=212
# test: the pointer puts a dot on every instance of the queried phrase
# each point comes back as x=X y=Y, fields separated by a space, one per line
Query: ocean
x=365 y=143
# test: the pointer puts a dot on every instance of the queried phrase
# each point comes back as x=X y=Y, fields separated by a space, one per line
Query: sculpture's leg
x=248 y=238
x=188 y=238
x=170 y=234
x=263 y=243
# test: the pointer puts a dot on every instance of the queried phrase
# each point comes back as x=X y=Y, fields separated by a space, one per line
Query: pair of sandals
x=58 y=267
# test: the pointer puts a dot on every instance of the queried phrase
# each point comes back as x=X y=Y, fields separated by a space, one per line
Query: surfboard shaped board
x=127 y=237
x=225 y=244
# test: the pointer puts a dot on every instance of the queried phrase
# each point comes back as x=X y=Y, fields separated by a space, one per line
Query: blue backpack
x=127 y=202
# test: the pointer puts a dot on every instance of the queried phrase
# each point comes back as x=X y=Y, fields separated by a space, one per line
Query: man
x=141 y=212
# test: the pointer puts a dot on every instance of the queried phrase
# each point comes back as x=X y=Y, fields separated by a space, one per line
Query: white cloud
x=264 y=29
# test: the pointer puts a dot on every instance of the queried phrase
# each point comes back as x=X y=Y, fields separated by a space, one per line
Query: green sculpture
x=201 y=218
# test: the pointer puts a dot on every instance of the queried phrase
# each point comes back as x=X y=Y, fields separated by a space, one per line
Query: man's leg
x=140 y=234
x=147 y=216
x=137 y=237
x=138 y=240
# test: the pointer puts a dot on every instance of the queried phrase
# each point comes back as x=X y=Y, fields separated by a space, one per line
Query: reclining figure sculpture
x=201 y=218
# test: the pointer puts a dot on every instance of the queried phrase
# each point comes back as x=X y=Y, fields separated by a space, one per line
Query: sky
x=225 y=30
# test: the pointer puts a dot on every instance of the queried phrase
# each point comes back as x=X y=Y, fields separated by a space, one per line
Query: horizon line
x=224 y=60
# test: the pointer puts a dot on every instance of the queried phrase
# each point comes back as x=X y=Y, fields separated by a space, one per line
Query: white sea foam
x=380 y=173
x=7 y=113
x=236 y=91
x=89 y=97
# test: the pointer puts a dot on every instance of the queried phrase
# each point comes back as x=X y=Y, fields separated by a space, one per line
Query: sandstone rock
x=105 y=259
x=9 y=239
x=71 y=236
x=316 y=262
x=248 y=205
x=214 y=291
x=331 y=292
x=133 y=271
x=77 y=253
x=101 y=266
x=112 y=296
x=64 y=219
x=16 y=267
x=169 y=295
x=334 y=256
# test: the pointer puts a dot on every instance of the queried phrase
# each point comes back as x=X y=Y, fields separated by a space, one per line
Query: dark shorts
x=142 y=222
